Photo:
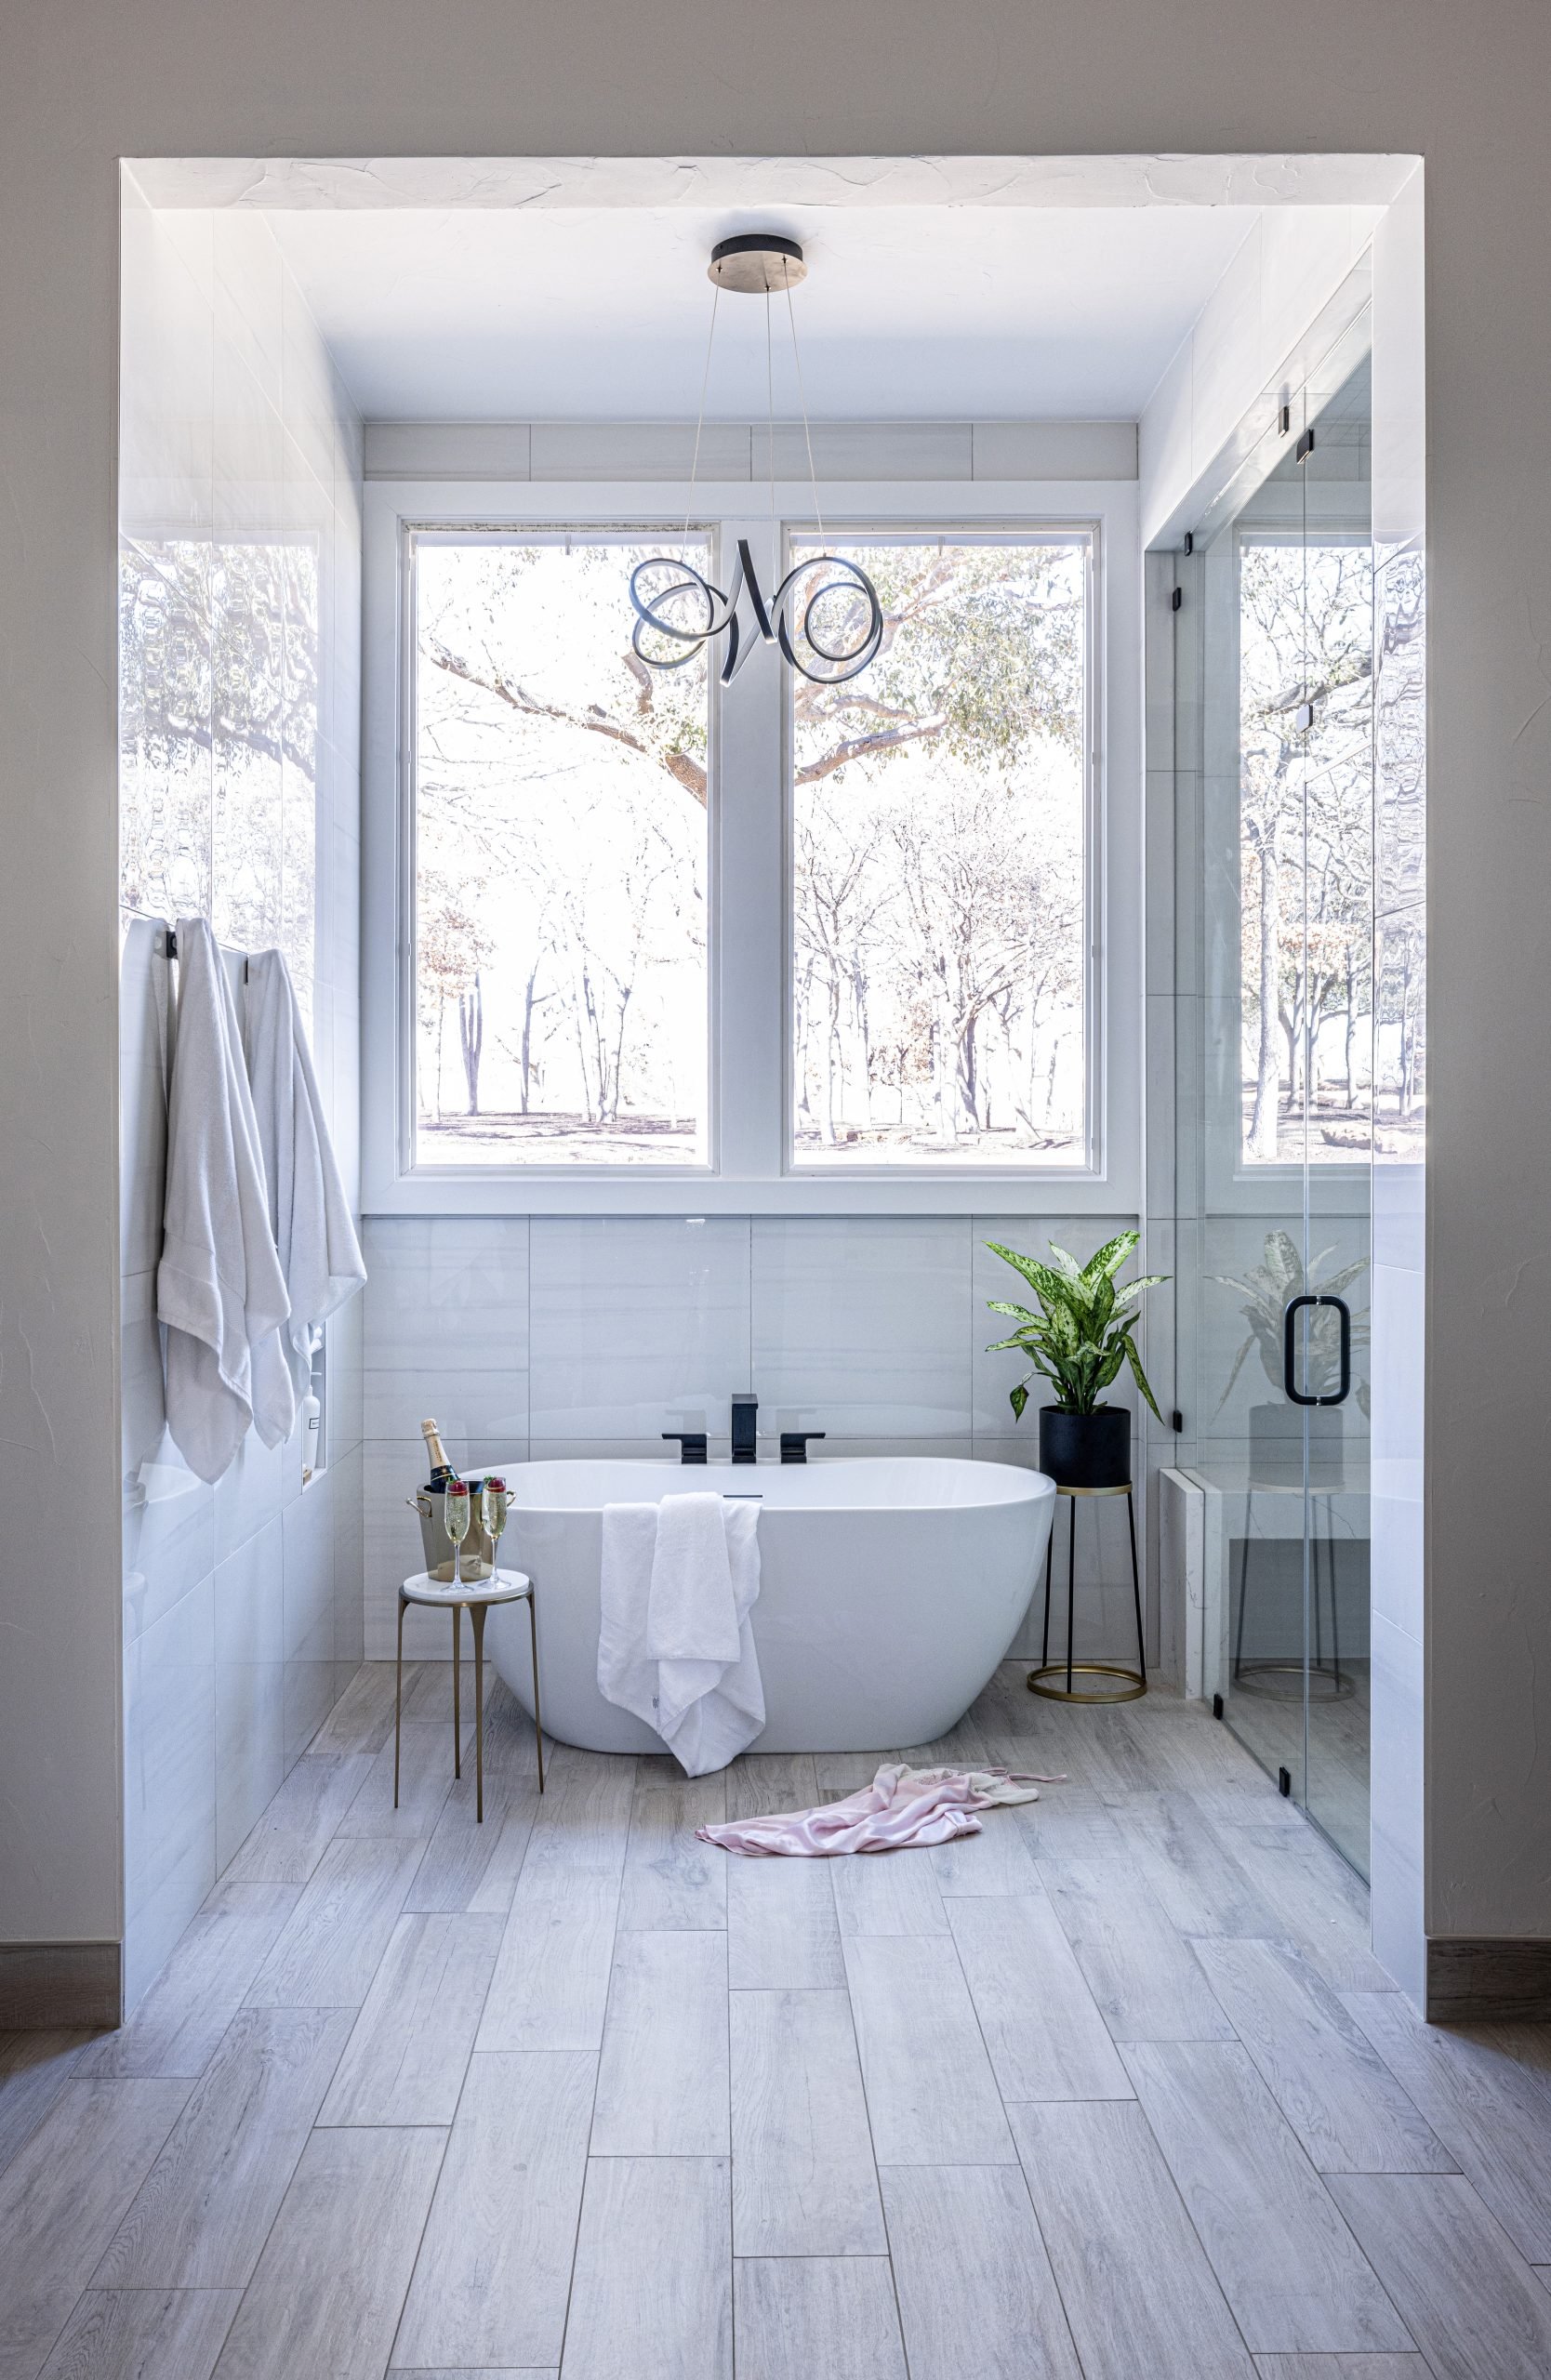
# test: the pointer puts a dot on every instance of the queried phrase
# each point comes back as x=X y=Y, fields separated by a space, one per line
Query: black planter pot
x=1086 y=1449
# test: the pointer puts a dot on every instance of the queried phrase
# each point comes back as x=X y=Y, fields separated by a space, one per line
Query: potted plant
x=1277 y=1427
x=1080 y=1338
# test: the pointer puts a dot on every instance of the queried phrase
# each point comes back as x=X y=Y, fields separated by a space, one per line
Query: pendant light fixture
x=824 y=615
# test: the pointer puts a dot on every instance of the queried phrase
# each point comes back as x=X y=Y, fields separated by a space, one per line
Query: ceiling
x=959 y=313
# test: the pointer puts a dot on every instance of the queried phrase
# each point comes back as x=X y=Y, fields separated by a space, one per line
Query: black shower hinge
x=1284 y=419
x=1176 y=599
x=1177 y=1422
x=1190 y=541
x=1216 y=1706
x=1306 y=447
x=1284 y=1782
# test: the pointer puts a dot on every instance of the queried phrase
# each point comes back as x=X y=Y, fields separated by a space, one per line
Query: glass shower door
x=1274 y=1028
x=1329 y=1338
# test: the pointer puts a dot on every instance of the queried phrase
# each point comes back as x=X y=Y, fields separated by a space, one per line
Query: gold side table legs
x=477 y=1608
x=1135 y=1681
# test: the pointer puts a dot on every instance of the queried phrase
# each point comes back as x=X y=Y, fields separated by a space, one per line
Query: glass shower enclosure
x=1281 y=1053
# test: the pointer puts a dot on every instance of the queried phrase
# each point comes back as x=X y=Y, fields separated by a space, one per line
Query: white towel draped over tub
x=220 y=1288
x=320 y=1254
x=675 y=1646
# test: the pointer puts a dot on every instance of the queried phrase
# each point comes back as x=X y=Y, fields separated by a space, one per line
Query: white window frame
x=750 y=1169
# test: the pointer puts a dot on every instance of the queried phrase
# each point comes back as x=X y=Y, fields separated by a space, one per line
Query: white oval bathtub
x=889 y=1588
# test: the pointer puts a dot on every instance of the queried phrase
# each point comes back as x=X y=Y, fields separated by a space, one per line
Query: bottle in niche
x=442 y=1472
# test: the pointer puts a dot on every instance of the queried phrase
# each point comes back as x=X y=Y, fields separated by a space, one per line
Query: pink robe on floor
x=902 y=1807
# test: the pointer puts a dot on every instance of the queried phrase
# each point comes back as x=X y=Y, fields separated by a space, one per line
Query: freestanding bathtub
x=889 y=1588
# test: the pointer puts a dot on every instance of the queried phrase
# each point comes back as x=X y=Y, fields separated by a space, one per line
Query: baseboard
x=45 y=1985
x=1504 y=1981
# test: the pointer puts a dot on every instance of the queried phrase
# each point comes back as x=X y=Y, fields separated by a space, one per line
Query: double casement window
x=649 y=928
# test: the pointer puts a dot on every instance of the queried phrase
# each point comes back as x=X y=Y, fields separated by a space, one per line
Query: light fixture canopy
x=826 y=606
x=757 y=263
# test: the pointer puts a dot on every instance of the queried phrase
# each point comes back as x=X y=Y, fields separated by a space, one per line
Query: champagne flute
x=454 y=1520
x=493 y=1513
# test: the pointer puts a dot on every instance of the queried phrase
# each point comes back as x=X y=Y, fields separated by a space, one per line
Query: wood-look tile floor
x=1113 y=2089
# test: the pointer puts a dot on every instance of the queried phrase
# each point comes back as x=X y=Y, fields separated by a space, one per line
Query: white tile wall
x=592 y=1335
x=243 y=1605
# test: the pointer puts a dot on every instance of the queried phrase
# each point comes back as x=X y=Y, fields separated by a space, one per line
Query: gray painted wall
x=79 y=88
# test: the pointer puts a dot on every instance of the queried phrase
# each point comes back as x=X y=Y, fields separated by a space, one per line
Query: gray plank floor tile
x=1069 y=1822
x=492 y=2276
x=363 y=1718
x=326 y=2300
x=837 y=1774
x=551 y=1985
x=143 y=2334
x=1486 y=2091
x=888 y=1891
x=1142 y=1974
x=1290 y=2270
x=471 y=1869
x=1470 y=2301
x=798 y=2317
x=1342 y=2367
x=976 y=2285
x=297 y=1829
x=673 y=1881
x=406 y=2057
x=1147 y=2301
x=760 y=1783
x=63 y=2196
x=178 y=2025
x=424 y=1780
x=662 y=2079
x=34 y=2068
x=930 y=2089
x=803 y=2179
x=332 y=1944
x=1194 y=1874
x=995 y=1860
x=1042 y=2026
x=1330 y=2084
x=782 y=1929
x=1318 y=1903
x=427 y=1685
x=652 y=2294
x=204 y=2212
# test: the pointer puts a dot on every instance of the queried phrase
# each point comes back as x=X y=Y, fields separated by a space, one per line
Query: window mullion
x=751 y=926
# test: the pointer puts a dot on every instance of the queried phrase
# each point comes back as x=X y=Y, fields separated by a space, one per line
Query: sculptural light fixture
x=826 y=607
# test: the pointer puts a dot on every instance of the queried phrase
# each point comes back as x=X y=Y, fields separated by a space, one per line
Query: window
x=939 y=817
x=561 y=798
x=636 y=941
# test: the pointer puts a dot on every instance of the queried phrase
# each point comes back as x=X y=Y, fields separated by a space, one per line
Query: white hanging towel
x=220 y=1288
x=320 y=1254
x=675 y=1646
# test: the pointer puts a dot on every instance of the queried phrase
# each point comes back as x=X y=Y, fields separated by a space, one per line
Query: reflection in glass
x=219 y=733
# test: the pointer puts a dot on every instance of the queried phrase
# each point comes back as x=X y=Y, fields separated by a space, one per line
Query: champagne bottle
x=442 y=1471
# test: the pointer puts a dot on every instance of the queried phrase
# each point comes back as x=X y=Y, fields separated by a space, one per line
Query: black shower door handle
x=1295 y=1395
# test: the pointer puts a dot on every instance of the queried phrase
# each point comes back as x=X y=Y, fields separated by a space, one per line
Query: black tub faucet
x=745 y=1442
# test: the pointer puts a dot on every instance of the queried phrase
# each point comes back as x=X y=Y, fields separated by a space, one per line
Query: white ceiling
x=959 y=313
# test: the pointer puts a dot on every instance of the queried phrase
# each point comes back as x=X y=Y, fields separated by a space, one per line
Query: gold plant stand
x=1134 y=1681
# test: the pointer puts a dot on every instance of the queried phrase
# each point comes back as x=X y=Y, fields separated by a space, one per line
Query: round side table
x=1134 y=1681
x=476 y=1597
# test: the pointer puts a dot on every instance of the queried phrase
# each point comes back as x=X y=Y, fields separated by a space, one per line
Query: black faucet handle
x=794 y=1444
x=691 y=1444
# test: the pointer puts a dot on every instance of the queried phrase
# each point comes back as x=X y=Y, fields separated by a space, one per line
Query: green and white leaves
x=1081 y=1333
